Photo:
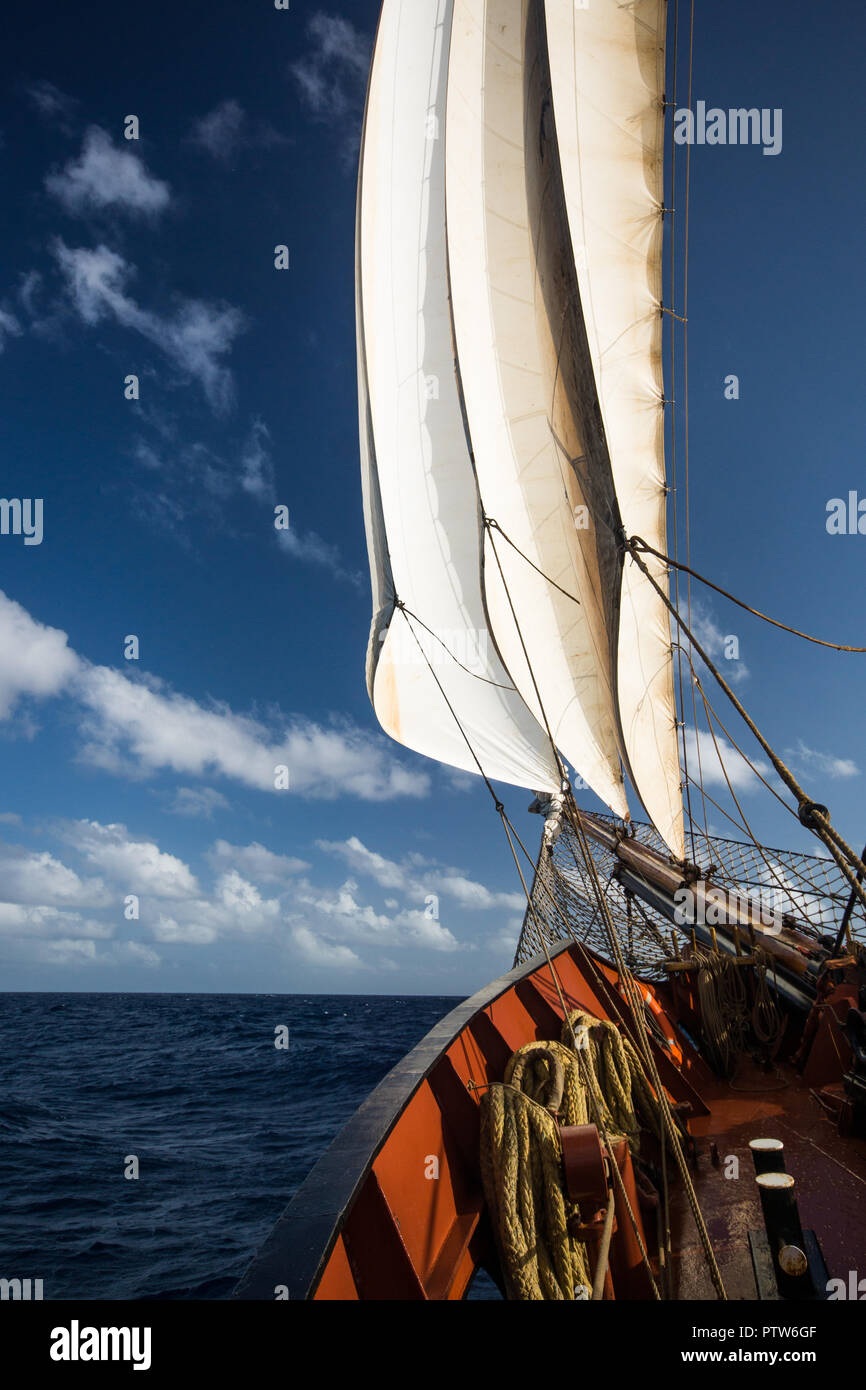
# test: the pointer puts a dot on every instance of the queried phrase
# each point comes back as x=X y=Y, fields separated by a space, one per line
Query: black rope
x=497 y=803
x=637 y=544
x=437 y=638
x=494 y=526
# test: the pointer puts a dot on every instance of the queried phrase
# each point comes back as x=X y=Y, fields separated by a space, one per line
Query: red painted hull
x=395 y=1209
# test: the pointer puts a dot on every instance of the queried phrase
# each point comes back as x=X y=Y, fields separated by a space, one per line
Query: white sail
x=607 y=66
x=420 y=496
x=506 y=237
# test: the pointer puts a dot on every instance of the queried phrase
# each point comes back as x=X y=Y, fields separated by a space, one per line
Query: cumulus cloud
x=138 y=866
x=107 y=176
x=260 y=864
x=29 y=876
x=35 y=660
x=174 y=933
x=234 y=908
x=227 y=130
x=316 y=950
x=348 y=918
x=195 y=337
x=30 y=921
x=417 y=877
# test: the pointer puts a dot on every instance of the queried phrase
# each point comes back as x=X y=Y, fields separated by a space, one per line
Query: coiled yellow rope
x=521 y=1152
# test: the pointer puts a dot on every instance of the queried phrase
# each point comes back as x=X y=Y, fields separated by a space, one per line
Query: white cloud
x=139 y=726
x=174 y=933
x=52 y=104
x=105 y=176
x=194 y=338
x=138 y=866
x=34 y=659
x=360 y=922
x=309 y=548
x=262 y=865
x=504 y=941
x=315 y=950
x=716 y=644
x=9 y=327
x=156 y=728
x=235 y=908
x=824 y=764
x=28 y=876
x=227 y=130
x=332 y=77
x=144 y=955
x=705 y=762
x=417 y=877
x=198 y=801
x=29 y=921
x=68 y=953
x=257 y=468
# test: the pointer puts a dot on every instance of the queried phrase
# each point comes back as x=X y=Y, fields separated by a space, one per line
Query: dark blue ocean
x=224 y=1126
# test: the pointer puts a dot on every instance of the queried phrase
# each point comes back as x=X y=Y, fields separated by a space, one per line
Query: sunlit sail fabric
x=520 y=364
x=420 y=496
x=607 y=66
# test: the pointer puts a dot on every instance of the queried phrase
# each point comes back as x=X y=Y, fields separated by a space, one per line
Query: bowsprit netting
x=808 y=888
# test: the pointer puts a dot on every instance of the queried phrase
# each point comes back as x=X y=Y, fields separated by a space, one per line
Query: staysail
x=607 y=66
x=509 y=285
x=513 y=331
x=421 y=502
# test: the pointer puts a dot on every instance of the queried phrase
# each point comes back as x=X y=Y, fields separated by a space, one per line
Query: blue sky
x=155 y=257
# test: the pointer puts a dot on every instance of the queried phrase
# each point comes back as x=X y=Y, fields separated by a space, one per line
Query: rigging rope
x=637 y=543
x=635 y=1002
x=813 y=816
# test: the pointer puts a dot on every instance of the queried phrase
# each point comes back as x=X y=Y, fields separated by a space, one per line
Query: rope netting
x=809 y=888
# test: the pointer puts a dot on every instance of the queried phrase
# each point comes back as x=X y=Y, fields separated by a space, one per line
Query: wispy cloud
x=195 y=337
x=720 y=646
x=257 y=466
x=198 y=802
x=309 y=548
x=9 y=327
x=227 y=130
x=824 y=764
x=107 y=176
x=52 y=104
x=332 y=77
